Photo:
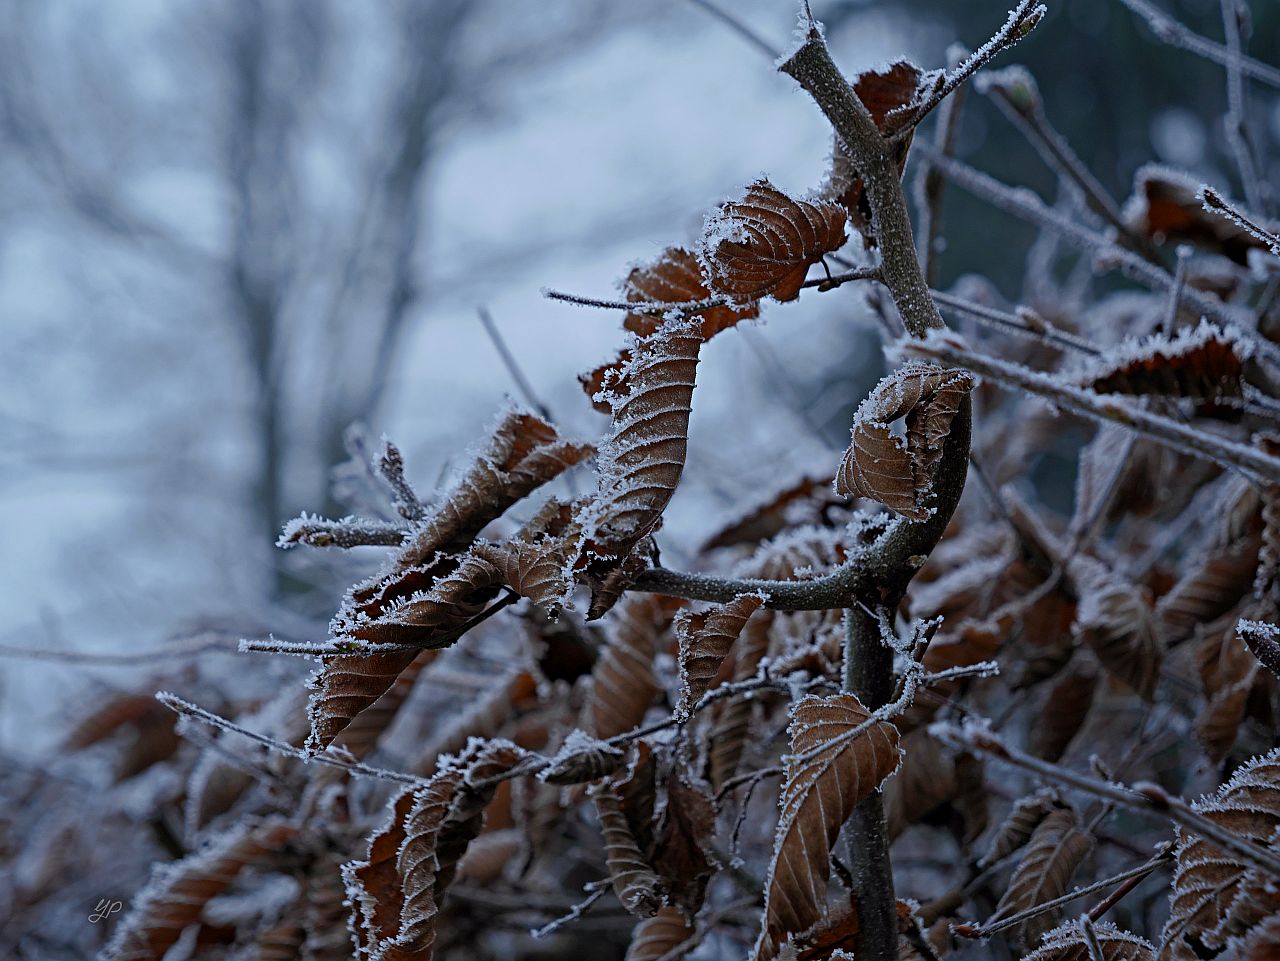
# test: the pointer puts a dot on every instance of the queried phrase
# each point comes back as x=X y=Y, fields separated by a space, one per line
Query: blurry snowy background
x=228 y=230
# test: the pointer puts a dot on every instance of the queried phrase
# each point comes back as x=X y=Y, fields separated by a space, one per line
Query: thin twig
x=596 y=889
x=391 y=466
x=513 y=366
x=1024 y=323
x=931 y=186
x=1022 y=20
x=740 y=28
x=1023 y=203
x=1236 y=120
x=1103 y=407
x=1179 y=285
x=694 y=306
x=344 y=533
x=1138 y=797
x=1175 y=34
x=339 y=647
x=1025 y=110
x=1214 y=202
x=1132 y=874
x=187 y=709
x=204 y=643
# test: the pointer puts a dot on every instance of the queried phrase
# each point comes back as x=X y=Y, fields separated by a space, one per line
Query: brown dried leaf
x=658 y=936
x=1218 y=724
x=1263 y=641
x=1260 y=944
x=1067 y=943
x=122 y=710
x=1165 y=207
x=428 y=594
x=582 y=758
x=1209 y=588
x=432 y=619
x=682 y=854
x=1022 y=820
x=345 y=686
x=177 y=893
x=623 y=684
x=833 y=938
x=676 y=277
x=705 y=638
x=894 y=471
x=641 y=464
x=424 y=615
x=1117 y=623
x=608 y=588
x=925 y=781
x=397 y=890
x=885 y=93
x=362 y=733
x=1200 y=363
x=1055 y=850
x=325 y=914
x=523 y=453
x=537 y=569
x=606 y=382
x=624 y=805
x=818 y=796
x=1214 y=895
x=733 y=722
x=488 y=856
x=282 y=941
x=765 y=243
x=1064 y=713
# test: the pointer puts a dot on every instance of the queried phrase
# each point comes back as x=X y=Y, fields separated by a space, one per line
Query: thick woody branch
x=886 y=568
x=812 y=67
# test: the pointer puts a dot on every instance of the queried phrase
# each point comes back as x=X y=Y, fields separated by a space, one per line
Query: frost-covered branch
x=345 y=533
x=406 y=500
x=1136 y=873
x=1023 y=203
x=870 y=272
x=1023 y=322
x=1139 y=797
x=1215 y=203
x=186 y=709
x=1022 y=20
x=1175 y=34
x=812 y=67
x=1016 y=93
x=1103 y=407
x=1237 y=127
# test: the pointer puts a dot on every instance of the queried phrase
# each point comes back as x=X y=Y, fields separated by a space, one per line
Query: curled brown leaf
x=898 y=471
